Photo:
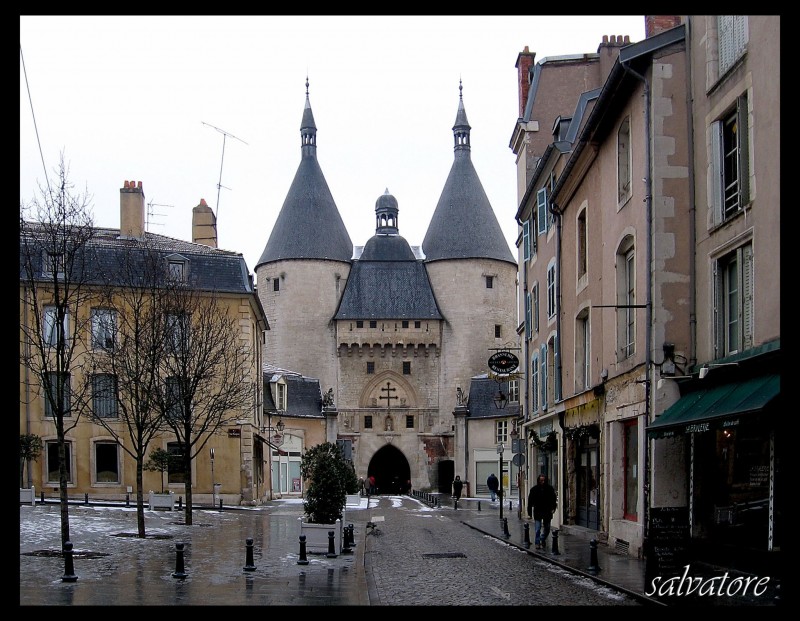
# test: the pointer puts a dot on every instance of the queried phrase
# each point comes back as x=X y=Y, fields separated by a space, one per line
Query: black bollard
x=303 y=560
x=351 y=534
x=331 y=544
x=69 y=570
x=127 y=500
x=455 y=503
x=249 y=556
x=509 y=505
x=86 y=499
x=42 y=497
x=526 y=530
x=346 y=541
x=180 y=502
x=479 y=505
x=505 y=528
x=220 y=504
x=179 y=573
x=594 y=567
x=555 y=541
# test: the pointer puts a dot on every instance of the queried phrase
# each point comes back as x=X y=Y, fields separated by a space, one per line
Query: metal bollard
x=526 y=530
x=555 y=541
x=220 y=504
x=86 y=499
x=331 y=545
x=69 y=570
x=479 y=505
x=351 y=534
x=455 y=504
x=248 y=563
x=303 y=560
x=127 y=500
x=509 y=505
x=505 y=528
x=346 y=541
x=594 y=567
x=180 y=502
x=42 y=497
x=179 y=572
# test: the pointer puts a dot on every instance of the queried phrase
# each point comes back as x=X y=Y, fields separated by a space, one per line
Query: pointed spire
x=461 y=128
x=308 y=129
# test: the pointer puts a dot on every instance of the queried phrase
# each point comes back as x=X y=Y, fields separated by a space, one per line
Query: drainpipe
x=526 y=375
x=559 y=393
x=692 y=204
x=649 y=370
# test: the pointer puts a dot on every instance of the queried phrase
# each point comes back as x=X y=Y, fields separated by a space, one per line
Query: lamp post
x=500 y=449
x=213 y=487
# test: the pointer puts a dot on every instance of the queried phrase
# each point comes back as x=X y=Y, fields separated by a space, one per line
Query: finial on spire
x=387 y=191
x=460 y=89
x=306 y=85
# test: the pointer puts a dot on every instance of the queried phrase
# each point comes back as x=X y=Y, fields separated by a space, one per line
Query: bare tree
x=126 y=369
x=30 y=448
x=55 y=251
x=205 y=371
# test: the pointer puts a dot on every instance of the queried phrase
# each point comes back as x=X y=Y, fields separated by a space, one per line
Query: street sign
x=518 y=459
x=516 y=445
x=500 y=448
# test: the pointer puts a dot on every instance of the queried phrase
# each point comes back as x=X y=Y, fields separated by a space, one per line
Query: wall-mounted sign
x=234 y=433
x=503 y=362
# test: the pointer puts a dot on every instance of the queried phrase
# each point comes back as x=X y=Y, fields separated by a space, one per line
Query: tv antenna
x=151 y=213
x=224 y=138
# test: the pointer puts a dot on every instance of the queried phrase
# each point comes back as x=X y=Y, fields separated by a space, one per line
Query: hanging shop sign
x=503 y=362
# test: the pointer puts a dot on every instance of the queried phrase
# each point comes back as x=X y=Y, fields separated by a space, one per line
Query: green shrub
x=329 y=477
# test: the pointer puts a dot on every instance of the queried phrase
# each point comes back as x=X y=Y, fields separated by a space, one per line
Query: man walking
x=492 y=483
x=542 y=504
x=458 y=484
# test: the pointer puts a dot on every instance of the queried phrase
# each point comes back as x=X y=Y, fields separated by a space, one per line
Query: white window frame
x=104 y=395
x=50 y=336
x=543 y=379
x=501 y=431
x=541 y=210
x=95 y=478
x=104 y=328
x=733 y=301
x=535 y=311
x=730 y=162
x=624 y=185
x=281 y=396
x=535 y=382
x=551 y=289
x=513 y=391
x=528 y=324
x=526 y=240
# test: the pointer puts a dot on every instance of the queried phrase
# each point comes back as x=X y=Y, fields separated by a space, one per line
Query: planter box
x=162 y=501
x=317 y=536
x=27 y=496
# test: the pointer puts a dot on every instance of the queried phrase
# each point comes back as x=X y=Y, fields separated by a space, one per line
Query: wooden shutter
x=747 y=296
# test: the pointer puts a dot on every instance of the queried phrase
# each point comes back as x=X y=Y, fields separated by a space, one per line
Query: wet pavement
x=219 y=567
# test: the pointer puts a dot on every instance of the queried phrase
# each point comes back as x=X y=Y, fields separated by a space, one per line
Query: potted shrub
x=159 y=462
x=329 y=478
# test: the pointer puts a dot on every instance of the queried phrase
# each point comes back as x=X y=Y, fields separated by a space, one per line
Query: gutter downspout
x=649 y=370
x=557 y=384
x=526 y=415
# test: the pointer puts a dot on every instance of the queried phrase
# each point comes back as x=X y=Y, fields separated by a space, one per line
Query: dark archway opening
x=391 y=471
x=447 y=471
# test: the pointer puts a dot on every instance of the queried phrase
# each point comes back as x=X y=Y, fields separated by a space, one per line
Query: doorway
x=587 y=489
x=391 y=471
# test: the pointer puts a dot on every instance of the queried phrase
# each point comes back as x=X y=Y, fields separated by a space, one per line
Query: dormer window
x=177 y=268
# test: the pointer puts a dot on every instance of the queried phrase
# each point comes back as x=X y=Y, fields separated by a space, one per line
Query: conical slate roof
x=309 y=225
x=387 y=281
x=464 y=225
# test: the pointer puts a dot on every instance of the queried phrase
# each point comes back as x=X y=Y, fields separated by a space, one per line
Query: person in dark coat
x=493 y=484
x=458 y=485
x=541 y=506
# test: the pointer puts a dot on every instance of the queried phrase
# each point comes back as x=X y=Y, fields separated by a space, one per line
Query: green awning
x=718 y=407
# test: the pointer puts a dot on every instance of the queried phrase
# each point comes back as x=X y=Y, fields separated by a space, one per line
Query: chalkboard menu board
x=667 y=542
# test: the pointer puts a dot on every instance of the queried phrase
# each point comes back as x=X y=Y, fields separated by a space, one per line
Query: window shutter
x=747 y=297
x=556 y=374
x=744 y=151
x=541 y=210
x=543 y=377
x=717 y=181
x=535 y=383
x=528 y=325
x=533 y=235
x=526 y=240
x=718 y=314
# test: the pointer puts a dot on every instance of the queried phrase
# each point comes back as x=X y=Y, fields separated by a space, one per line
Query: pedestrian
x=541 y=506
x=458 y=484
x=492 y=483
x=371 y=480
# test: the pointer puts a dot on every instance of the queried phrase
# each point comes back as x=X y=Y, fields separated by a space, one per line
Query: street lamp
x=213 y=487
x=500 y=449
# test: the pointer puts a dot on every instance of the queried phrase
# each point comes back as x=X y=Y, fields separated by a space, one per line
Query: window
x=553 y=377
x=373 y=324
x=498 y=331
x=176 y=469
x=526 y=240
x=53 y=264
x=630 y=456
x=417 y=324
x=280 y=389
x=541 y=210
x=406 y=368
x=57 y=384
x=528 y=324
x=489 y=282
x=535 y=307
x=405 y=324
x=368 y=421
x=51 y=451
x=582 y=354
x=624 y=161
x=409 y=422
x=177 y=270
x=359 y=323
x=626 y=299
x=581 y=250
x=106 y=462
x=370 y=368
x=543 y=375
x=276 y=284
x=178 y=331
x=104 y=395
x=733 y=302
x=51 y=326
x=551 y=290
x=501 y=431
x=732 y=39
x=535 y=382
x=174 y=405
x=513 y=391
x=104 y=328
x=730 y=162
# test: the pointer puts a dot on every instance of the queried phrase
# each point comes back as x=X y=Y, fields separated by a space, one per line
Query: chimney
x=608 y=51
x=524 y=67
x=131 y=210
x=654 y=24
x=204 y=225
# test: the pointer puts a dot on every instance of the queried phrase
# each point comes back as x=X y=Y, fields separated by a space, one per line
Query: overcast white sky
x=156 y=98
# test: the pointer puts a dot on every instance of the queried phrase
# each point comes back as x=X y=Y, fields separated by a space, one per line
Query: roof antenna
x=224 y=137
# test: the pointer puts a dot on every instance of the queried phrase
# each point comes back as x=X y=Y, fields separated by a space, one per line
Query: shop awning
x=718 y=407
